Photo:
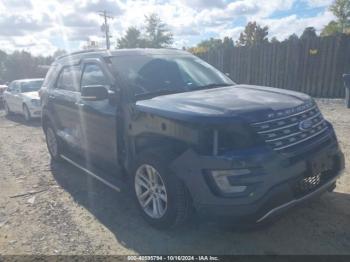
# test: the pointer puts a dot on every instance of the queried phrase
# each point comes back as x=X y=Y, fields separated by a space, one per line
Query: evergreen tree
x=132 y=39
x=253 y=34
x=157 y=34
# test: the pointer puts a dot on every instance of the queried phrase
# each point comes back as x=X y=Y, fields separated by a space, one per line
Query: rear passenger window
x=93 y=75
x=11 y=87
x=69 y=79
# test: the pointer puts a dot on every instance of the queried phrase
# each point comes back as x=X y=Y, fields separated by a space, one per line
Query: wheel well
x=147 y=142
x=45 y=122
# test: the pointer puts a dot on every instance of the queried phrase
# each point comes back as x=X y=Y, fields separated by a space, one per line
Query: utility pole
x=105 y=27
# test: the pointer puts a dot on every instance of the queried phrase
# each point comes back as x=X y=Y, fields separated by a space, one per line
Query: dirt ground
x=76 y=214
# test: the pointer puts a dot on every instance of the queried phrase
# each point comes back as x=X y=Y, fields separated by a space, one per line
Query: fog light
x=223 y=183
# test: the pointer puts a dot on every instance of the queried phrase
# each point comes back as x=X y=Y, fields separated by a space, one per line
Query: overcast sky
x=42 y=27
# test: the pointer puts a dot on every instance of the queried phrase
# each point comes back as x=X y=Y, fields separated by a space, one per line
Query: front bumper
x=272 y=182
x=35 y=111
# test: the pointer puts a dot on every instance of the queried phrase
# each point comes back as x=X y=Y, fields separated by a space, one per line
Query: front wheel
x=347 y=97
x=26 y=113
x=162 y=198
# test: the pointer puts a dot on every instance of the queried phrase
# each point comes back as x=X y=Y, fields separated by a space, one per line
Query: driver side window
x=13 y=87
x=93 y=75
x=69 y=79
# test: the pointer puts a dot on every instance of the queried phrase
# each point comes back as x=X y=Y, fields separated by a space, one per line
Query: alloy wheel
x=150 y=191
x=26 y=113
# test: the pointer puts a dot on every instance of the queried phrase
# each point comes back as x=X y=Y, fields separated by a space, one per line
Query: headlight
x=221 y=178
x=35 y=102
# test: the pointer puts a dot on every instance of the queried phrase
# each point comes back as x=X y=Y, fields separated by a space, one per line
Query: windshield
x=153 y=74
x=31 y=86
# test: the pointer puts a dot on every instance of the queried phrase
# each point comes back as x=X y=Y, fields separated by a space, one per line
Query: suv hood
x=218 y=105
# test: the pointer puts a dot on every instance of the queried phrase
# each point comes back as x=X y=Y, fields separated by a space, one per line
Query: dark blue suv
x=189 y=138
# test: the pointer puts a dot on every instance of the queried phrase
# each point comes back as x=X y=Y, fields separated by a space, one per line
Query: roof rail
x=80 y=52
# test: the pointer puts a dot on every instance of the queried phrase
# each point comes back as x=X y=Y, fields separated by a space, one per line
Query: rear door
x=63 y=98
x=98 y=118
x=18 y=98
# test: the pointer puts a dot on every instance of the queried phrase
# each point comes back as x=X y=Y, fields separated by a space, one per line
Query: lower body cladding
x=252 y=186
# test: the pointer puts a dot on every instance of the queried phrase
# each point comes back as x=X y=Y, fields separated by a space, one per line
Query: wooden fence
x=313 y=66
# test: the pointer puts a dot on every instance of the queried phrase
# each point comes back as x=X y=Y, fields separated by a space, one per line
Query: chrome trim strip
x=312 y=117
x=294 y=134
x=283 y=137
x=103 y=181
x=277 y=129
x=283 y=127
x=296 y=201
x=276 y=119
x=303 y=140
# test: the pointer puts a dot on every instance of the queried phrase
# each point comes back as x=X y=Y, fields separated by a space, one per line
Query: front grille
x=284 y=133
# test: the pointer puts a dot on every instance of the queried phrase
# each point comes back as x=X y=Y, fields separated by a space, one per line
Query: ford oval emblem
x=305 y=125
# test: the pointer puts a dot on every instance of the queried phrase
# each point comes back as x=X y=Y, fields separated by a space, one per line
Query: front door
x=98 y=118
x=63 y=99
x=17 y=98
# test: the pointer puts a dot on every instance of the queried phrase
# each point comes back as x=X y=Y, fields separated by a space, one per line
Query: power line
x=105 y=27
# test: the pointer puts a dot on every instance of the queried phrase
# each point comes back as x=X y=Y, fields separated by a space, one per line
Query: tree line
x=22 y=64
x=254 y=34
x=156 y=34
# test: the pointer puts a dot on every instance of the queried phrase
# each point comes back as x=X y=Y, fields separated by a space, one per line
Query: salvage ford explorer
x=188 y=137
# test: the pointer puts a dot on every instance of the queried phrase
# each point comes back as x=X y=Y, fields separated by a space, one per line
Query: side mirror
x=346 y=78
x=94 y=93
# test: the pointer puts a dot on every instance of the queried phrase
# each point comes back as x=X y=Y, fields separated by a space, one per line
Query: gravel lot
x=77 y=215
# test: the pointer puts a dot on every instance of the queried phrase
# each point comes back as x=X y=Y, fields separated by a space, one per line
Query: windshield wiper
x=160 y=92
x=213 y=85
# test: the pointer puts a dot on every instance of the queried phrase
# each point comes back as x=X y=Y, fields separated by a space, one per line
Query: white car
x=2 y=90
x=22 y=97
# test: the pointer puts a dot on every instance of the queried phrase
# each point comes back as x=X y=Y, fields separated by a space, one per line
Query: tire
x=53 y=143
x=172 y=199
x=26 y=113
x=347 y=97
x=7 y=109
